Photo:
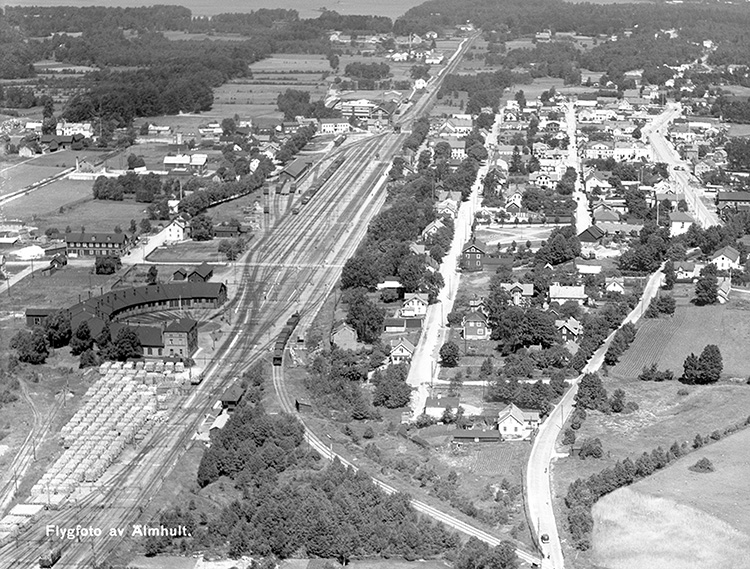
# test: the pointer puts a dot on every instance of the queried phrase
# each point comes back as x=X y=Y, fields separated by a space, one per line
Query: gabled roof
x=233 y=394
x=517 y=414
x=339 y=326
x=526 y=289
x=571 y=324
x=475 y=243
x=204 y=270
x=475 y=316
x=418 y=296
x=593 y=233
x=729 y=252
x=402 y=342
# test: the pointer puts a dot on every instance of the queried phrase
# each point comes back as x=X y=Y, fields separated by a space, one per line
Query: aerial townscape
x=450 y=285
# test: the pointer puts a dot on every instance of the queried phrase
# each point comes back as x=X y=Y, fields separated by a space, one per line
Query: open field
x=668 y=341
x=636 y=530
x=47 y=201
x=189 y=252
x=722 y=493
x=94 y=215
x=285 y=62
x=739 y=130
x=61 y=289
x=677 y=518
x=177 y=35
x=19 y=176
x=663 y=418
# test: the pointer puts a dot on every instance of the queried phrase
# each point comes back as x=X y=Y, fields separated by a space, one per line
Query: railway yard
x=292 y=267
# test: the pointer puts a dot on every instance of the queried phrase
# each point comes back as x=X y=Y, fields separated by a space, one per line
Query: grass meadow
x=632 y=529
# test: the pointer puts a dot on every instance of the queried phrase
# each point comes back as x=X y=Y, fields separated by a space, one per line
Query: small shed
x=232 y=397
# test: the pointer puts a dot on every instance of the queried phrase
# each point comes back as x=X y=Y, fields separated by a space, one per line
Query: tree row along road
x=124 y=492
x=539 y=467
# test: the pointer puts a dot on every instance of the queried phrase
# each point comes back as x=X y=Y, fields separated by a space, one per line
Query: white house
x=432 y=228
x=402 y=351
x=415 y=305
x=64 y=128
x=520 y=293
x=615 y=284
x=178 y=230
x=515 y=423
x=562 y=294
x=447 y=207
x=726 y=258
x=679 y=223
x=334 y=126
x=599 y=149
x=420 y=84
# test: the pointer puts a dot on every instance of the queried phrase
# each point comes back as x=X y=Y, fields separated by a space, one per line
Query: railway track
x=124 y=494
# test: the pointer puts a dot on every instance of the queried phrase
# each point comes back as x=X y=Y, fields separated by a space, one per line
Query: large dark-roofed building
x=96 y=244
x=296 y=169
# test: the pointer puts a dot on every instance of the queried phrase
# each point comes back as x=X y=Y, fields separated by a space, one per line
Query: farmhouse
x=474 y=326
x=178 y=230
x=415 y=305
x=432 y=228
x=472 y=255
x=514 y=423
x=615 y=284
x=679 y=223
x=96 y=244
x=402 y=350
x=726 y=258
x=520 y=293
x=344 y=336
x=569 y=330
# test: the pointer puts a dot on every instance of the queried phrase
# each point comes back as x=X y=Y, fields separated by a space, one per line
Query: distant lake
x=306 y=8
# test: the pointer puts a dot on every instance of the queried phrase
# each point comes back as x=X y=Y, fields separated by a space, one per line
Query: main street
x=543 y=452
x=663 y=151
x=583 y=216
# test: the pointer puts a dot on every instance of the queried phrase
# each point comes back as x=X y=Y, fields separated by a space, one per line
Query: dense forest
x=293 y=506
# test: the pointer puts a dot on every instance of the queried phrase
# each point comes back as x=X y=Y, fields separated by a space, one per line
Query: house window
x=515 y=429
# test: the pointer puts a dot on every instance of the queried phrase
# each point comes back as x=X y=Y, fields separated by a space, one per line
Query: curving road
x=543 y=451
